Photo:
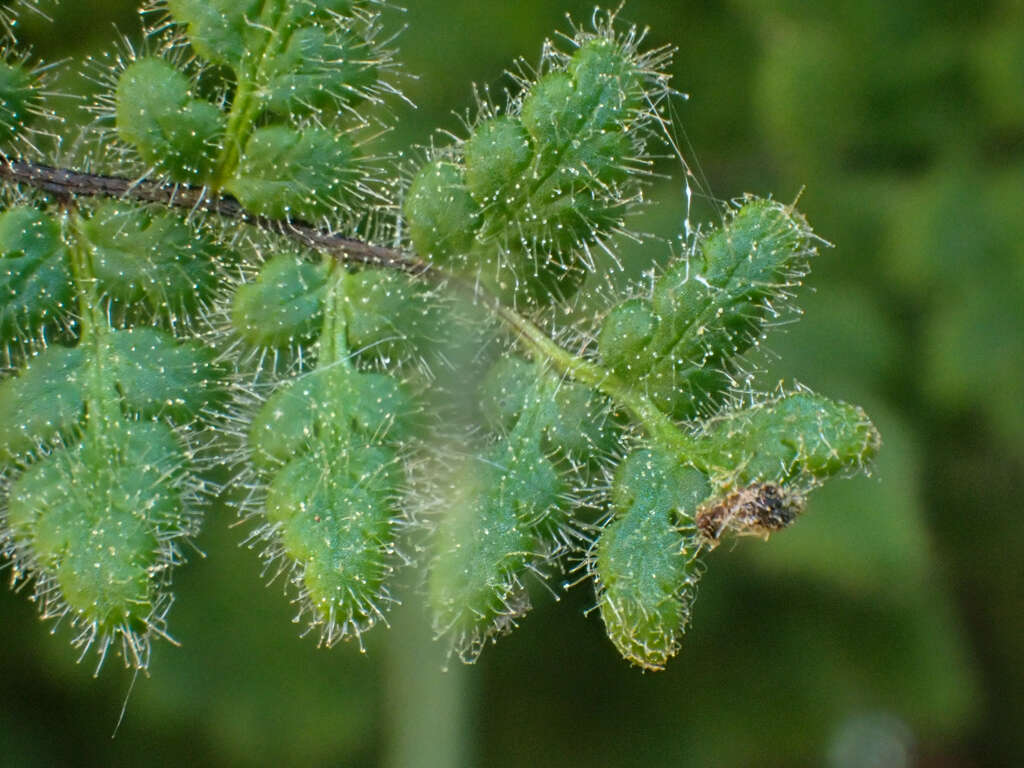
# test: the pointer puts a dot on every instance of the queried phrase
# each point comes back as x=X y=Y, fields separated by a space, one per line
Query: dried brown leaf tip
x=758 y=509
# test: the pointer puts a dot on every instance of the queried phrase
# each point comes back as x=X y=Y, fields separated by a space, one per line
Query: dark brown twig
x=70 y=184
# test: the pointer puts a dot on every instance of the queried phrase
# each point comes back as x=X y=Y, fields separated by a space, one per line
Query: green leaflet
x=503 y=521
x=138 y=257
x=326 y=448
x=706 y=310
x=573 y=419
x=231 y=32
x=172 y=131
x=625 y=335
x=495 y=156
x=332 y=403
x=100 y=490
x=533 y=190
x=442 y=215
x=283 y=306
x=333 y=509
x=217 y=29
x=508 y=512
x=159 y=377
x=98 y=521
x=106 y=489
x=506 y=391
x=287 y=173
x=321 y=69
x=797 y=439
x=284 y=62
x=44 y=401
x=155 y=376
x=327 y=443
x=645 y=567
x=148 y=256
x=391 y=315
x=35 y=283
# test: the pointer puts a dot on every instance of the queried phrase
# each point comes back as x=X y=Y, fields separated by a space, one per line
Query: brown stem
x=70 y=184
x=65 y=183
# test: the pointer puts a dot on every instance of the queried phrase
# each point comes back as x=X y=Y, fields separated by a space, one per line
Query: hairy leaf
x=645 y=568
x=157 y=114
x=283 y=306
x=799 y=439
x=150 y=256
x=534 y=189
x=159 y=377
x=44 y=401
x=285 y=173
x=95 y=520
x=499 y=524
x=35 y=282
x=681 y=345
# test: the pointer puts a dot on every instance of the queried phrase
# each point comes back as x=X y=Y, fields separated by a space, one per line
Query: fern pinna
x=222 y=280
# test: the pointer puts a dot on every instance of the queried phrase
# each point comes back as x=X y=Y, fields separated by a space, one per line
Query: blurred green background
x=886 y=629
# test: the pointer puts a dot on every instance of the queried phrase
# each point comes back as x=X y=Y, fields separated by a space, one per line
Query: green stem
x=103 y=406
x=245 y=106
x=659 y=426
x=334 y=336
x=237 y=131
